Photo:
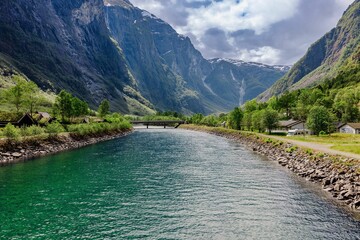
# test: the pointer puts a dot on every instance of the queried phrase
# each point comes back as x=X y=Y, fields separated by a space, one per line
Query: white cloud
x=152 y=6
x=269 y=31
x=264 y=54
x=232 y=15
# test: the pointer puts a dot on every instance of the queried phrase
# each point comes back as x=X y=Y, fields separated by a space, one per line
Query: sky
x=266 y=31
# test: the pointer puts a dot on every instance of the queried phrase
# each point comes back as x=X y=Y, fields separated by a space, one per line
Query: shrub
x=322 y=133
x=11 y=132
x=34 y=130
x=309 y=152
x=291 y=149
x=54 y=128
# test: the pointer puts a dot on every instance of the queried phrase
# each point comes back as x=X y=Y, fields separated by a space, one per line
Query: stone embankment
x=11 y=153
x=338 y=175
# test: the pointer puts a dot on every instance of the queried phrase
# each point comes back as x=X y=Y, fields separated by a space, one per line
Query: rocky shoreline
x=340 y=176
x=34 y=148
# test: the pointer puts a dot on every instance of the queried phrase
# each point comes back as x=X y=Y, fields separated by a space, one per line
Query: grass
x=352 y=148
x=335 y=138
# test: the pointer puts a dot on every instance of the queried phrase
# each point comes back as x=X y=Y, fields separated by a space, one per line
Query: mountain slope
x=158 y=56
x=325 y=57
x=239 y=81
x=113 y=50
x=63 y=44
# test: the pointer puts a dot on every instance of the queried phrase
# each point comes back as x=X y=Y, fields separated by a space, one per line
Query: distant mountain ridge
x=205 y=89
x=110 y=49
x=325 y=58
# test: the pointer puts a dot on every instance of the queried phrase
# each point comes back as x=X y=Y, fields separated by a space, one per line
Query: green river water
x=164 y=184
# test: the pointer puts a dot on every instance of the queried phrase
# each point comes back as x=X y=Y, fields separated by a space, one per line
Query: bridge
x=164 y=123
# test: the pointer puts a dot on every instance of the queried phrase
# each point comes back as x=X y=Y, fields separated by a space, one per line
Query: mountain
x=326 y=57
x=63 y=44
x=110 y=49
x=238 y=81
x=158 y=55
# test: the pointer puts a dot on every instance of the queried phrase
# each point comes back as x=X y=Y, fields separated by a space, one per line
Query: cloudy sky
x=268 y=31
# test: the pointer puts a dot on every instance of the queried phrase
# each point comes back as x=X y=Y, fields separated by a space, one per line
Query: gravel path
x=315 y=146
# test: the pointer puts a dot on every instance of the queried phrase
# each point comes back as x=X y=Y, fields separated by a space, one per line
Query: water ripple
x=164 y=184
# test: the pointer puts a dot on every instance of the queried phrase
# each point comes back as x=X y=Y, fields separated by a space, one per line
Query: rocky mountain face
x=238 y=81
x=158 y=56
x=110 y=49
x=326 y=57
x=63 y=44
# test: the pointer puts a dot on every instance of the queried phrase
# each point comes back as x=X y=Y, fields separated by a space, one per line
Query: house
x=25 y=120
x=353 y=128
x=291 y=125
x=43 y=118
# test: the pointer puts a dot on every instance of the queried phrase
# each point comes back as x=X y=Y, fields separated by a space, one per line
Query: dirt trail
x=315 y=146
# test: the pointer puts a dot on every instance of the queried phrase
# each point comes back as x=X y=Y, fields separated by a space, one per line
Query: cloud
x=232 y=15
x=269 y=31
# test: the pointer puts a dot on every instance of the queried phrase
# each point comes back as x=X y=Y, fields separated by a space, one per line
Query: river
x=164 y=184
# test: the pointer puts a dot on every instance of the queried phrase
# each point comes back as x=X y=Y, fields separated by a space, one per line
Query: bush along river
x=165 y=184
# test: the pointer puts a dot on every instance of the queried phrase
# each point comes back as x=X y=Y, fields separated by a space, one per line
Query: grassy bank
x=338 y=141
x=14 y=135
x=282 y=145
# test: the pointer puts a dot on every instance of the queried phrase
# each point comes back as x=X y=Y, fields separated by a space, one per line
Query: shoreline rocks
x=32 y=149
x=338 y=175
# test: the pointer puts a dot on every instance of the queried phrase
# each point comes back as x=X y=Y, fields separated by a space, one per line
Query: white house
x=353 y=128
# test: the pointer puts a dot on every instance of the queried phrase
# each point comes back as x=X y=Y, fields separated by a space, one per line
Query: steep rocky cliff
x=166 y=62
x=325 y=57
x=114 y=50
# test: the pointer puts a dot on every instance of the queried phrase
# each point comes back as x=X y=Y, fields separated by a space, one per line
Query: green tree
x=79 y=108
x=196 y=118
x=286 y=102
x=104 y=108
x=63 y=105
x=247 y=120
x=319 y=119
x=257 y=122
x=270 y=119
x=15 y=94
x=235 y=118
x=32 y=96
x=346 y=105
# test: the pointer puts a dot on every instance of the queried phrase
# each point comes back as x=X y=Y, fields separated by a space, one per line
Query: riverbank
x=338 y=175
x=31 y=148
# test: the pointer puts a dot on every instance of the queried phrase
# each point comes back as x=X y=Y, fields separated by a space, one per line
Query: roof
x=353 y=125
x=26 y=117
x=289 y=123
x=44 y=114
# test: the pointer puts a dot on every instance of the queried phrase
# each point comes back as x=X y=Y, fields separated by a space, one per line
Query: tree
x=270 y=119
x=257 y=122
x=319 y=119
x=286 y=102
x=104 y=108
x=15 y=94
x=247 y=120
x=63 y=105
x=196 y=118
x=32 y=96
x=234 y=118
x=79 y=108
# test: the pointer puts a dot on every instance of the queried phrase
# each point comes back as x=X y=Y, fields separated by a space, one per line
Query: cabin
x=25 y=120
x=353 y=128
x=291 y=125
x=43 y=118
